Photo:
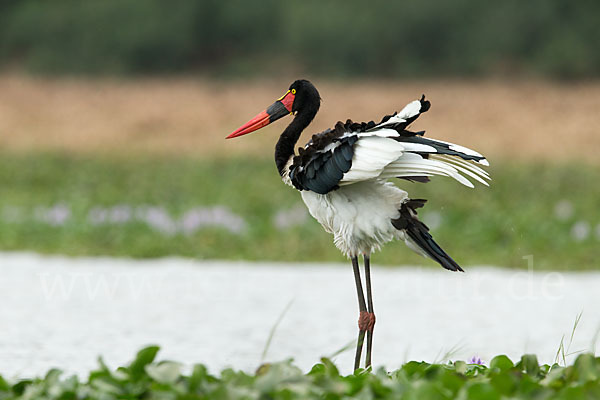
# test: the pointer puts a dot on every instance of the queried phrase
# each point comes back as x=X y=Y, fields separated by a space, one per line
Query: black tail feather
x=418 y=232
x=416 y=178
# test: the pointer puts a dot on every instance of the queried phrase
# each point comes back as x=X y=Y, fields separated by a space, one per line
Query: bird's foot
x=366 y=321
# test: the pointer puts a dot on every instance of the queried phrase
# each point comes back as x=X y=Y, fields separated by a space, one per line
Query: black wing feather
x=419 y=233
x=322 y=170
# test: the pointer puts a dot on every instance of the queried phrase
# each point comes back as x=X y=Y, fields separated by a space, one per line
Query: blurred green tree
x=412 y=38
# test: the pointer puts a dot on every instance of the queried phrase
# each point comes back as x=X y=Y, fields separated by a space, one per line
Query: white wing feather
x=371 y=155
x=379 y=157
x=410 y=110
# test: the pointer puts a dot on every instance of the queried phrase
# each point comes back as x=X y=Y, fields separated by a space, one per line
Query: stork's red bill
x=281 y=108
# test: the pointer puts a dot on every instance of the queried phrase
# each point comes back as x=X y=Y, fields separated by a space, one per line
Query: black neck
x=285 y=145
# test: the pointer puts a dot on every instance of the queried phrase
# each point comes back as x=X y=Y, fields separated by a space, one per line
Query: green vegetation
x=139 y=206
x=414 y=38
x=145 y=378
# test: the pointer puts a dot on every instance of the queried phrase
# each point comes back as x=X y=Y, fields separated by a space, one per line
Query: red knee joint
x=366 y=321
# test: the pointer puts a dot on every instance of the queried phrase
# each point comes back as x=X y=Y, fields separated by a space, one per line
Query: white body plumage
x=359 y=216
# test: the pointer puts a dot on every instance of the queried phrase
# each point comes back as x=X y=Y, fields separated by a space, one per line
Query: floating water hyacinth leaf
x=143 y=358
x=585 y=368
x=460 y=367
x=4 y=386
x=482 y=391
x=166 y=372
x=107 y=387
x=501 y=362
x=145 y=378
x=529 y=363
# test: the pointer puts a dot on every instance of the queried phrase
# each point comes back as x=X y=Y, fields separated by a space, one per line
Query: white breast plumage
x=359 y=216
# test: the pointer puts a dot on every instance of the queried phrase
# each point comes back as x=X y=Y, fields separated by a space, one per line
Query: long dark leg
x=362 y=307
x=370 y=310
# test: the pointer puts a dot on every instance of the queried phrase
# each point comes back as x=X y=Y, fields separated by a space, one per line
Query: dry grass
x=527 y=120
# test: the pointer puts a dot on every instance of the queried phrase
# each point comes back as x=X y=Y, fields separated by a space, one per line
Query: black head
x=307 y=96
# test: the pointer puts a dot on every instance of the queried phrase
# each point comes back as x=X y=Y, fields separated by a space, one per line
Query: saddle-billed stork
x=342 y=175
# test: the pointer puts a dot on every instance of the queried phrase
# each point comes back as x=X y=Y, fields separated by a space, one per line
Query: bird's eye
x=293 y=91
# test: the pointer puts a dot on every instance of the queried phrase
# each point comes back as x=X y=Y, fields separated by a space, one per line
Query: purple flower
x=475 y=360
x=157 y=218
x=219 y=216
x=56 y=215
x=120 y=214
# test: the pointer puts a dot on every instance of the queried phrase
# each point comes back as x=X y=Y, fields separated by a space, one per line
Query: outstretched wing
x=353 y=152
x=377 y=157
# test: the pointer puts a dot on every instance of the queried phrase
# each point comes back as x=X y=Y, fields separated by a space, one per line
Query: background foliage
x=550 y=38
x=47 y=204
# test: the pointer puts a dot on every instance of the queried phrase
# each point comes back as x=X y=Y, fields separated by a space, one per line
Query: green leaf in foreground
x=143 y=358
x=166 y=372
x=501 y=362
x=146 y=378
